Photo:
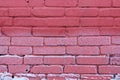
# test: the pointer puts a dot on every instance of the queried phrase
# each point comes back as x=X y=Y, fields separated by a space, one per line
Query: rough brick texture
x=60 y=39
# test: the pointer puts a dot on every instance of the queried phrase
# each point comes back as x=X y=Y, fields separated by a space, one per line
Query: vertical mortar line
x=32 y=31
x=99 y=47
x=23 y=59
x=43 y=41
x=76 y=60
x=109 y=59
x=43 y=60
x=7 y=68
x=63 y=68
x=44 y=1
x=32 y=50
x=97 y=67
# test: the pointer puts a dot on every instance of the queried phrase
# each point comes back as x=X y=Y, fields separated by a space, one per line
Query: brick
x=47 y=69
x=13 y=3
x=36 y=3
x=117 y=22
x=21 y=3
x=113 y=12
x=82 y=69
x=10 y=59
x=29 y=59
x=56 y=60
x=82 y=12
x=82 y=31
x=109 y=69
x=110 y=49
x=5 y=21
x=116 y=40
x=101 y=40
x=94 y=3
x=74 y=31
x=49 y=50
x=18 y=50
x=4 y=41
x=27 y=41
x=3 y=50
x=3 y=12
x=49 y=32
x=62 y=22
x=116 y=3
x=110 y=31
x=29 y=21
x=92 y=60
x=16 y=31
x=19 y=12
x=97 y=22
x=61 y=41
x=18 y=68
x=89 y=31
x=60 y=3
x=48 y=12
x=3 y=68
x=76 y=50
x=115 y=60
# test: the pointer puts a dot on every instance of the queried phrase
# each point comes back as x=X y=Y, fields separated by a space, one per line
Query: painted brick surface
x=60 y=39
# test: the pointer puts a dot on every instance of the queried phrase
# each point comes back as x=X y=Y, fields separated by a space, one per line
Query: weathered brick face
x=60 y=39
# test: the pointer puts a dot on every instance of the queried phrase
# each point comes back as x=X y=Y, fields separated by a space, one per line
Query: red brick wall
x=60 y=39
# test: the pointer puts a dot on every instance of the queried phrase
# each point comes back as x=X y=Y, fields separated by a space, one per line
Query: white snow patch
x=67 y=76
x=70 y=79
x=43 y=79
x=117 y=77
x=8 y=76
x=11 y=56
x=70 y=75
x=28 y=75
x=20 y=78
